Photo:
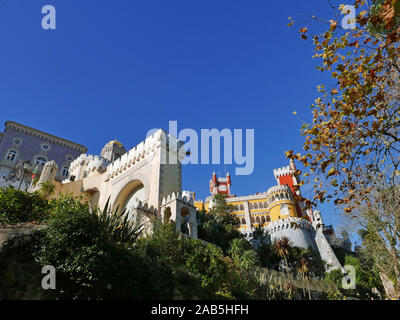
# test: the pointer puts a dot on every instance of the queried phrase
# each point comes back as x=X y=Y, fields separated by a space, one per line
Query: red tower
x=220 y=185
x=287 y=176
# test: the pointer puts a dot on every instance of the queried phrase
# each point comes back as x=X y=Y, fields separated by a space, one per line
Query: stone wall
x=17 y=234
x=20 y=276
x=317 y=287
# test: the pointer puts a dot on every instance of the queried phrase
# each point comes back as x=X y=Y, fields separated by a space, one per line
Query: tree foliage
x=379 y=228
x=20 y=206
x=219 y=226
x=367 y=278
x=90 y=261
x=354 y=133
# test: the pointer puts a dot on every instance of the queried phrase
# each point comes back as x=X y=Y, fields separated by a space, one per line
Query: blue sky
x=115 y=69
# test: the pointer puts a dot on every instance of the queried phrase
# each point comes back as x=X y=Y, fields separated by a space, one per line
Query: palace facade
x=22 y=149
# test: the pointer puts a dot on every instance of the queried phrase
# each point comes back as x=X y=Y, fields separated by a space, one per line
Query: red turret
x=286 y=176
x=220 y=185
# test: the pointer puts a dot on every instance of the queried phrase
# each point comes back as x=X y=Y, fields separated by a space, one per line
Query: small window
x=45 y=147
x=17 y=141
x=40 y=161
x=65 y=172
x=84 y=174
x=12 y=155
x=284 y=210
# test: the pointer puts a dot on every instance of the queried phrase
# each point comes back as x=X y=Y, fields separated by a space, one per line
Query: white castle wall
x=326 y=251
x=299 y=231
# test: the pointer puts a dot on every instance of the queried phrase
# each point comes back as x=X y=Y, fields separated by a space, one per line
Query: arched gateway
x=138 y=179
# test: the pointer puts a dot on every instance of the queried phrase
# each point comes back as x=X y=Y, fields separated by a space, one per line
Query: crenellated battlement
x=185 y=196
x=283 y=171
x=144 y=208
x=97 y=164
x=81 y=160
x=289 y=223
x=158 y=140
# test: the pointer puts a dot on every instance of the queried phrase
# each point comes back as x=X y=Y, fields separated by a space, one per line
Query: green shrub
x=20 y=206
x=89 y=263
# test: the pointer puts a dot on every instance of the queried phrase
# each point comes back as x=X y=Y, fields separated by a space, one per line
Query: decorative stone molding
x=45 y=136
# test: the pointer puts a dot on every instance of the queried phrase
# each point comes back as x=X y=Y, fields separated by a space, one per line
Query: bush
x=20 y=206
x=89 y=263
x=194 y=269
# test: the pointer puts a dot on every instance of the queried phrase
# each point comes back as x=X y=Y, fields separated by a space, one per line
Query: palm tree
x=303 y=269
x=282 y=247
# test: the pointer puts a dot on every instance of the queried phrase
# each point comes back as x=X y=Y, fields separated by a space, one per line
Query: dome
x=119 y=144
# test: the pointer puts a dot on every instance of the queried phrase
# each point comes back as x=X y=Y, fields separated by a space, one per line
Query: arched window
x=243 y=221
x=263 y=219
x=258 y=220
x=260 y=205
x=250 y=205
x=12 y=155
x=265 y=204
x=252 y=220
x=255 y=205
x=284 y=210
x=268 y=219
x=241 y=207
x=167 y=214
x=40 y=161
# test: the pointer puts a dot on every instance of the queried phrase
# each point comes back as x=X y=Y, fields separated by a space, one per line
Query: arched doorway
x=128 y=199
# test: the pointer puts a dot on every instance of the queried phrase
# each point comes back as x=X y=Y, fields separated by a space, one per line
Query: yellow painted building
x=262 y=209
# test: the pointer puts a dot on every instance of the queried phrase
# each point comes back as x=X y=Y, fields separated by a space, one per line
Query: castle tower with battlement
x=278 y=212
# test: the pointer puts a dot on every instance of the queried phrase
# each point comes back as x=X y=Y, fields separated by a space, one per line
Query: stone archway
x=129 y=195
x=123 y=188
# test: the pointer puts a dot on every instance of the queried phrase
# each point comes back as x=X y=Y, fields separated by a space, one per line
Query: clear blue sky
x=115 y=69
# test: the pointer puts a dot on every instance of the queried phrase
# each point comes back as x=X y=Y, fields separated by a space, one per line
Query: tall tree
x=378 y=221
x=354 y=133
x=219 y=226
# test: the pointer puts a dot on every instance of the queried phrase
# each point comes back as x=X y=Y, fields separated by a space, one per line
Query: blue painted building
x=22 y=149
